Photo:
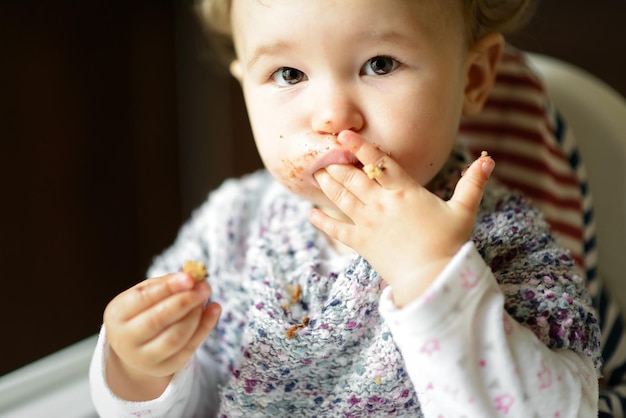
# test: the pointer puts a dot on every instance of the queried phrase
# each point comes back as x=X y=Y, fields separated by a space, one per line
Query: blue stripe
x=574 y=159
x=603 y=414
x=588 y=216
x=559 y=128
x=603 y=303
x=615 y=335
x=584 y=188
x=590 y=244
x=618 y=375
x=591 y=273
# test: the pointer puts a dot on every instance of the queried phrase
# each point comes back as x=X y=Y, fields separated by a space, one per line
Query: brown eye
x=380 y=65
x=286 y=76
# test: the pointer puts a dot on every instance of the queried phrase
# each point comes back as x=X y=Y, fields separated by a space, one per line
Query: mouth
x=336 y=156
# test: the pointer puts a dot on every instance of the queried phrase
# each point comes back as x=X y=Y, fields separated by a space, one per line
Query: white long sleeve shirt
x=454 y=352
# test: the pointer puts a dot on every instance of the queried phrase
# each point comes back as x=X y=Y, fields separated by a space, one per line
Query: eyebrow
x=268 y=49
x=390 y=36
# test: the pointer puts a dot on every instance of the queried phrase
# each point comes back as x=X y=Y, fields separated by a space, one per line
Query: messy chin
x=303 y=184
x=298 y=174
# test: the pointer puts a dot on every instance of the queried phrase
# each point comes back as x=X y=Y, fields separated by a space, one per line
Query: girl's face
x=395 y=71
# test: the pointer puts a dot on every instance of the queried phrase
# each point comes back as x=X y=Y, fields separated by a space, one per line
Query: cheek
x=279 y=155
x=290 y=174
x=425 y=139
x=279 y=160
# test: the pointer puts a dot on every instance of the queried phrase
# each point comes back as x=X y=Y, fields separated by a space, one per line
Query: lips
x=336 y=156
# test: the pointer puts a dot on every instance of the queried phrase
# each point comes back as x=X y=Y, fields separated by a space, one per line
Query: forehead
x=315 y=18
x=443 y=8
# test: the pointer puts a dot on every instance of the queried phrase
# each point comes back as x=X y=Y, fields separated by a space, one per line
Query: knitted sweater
x=507 y=328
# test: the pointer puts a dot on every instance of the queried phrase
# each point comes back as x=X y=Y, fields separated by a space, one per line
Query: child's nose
x=336 y=111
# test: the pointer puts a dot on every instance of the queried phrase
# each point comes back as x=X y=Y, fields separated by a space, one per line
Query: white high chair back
x=558 y=135
x=596 y=114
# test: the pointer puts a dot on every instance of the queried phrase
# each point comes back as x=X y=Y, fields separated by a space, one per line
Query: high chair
x=558 y=134
x=596 y=114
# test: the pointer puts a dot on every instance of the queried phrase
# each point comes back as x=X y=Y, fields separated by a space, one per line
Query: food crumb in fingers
x=196 y=269
x=374 y=171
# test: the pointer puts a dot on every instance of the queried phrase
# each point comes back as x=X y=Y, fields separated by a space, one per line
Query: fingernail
x=179 y=278
x=487 y=165
x=205 y=291
x=341 y=136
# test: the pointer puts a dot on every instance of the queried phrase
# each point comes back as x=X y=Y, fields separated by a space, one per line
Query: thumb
x=469 y=190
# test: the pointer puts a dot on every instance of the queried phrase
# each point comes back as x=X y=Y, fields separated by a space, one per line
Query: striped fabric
x=536 y=154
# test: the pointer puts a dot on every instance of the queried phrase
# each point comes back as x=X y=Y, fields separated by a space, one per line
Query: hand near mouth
x=404 y=231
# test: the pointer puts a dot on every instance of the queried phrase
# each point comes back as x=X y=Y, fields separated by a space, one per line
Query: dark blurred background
x=115 y=121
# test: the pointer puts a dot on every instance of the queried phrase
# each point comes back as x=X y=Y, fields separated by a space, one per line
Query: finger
x=351 y=178
x=336 y=190
x=206 y=324
x=208 y=321
x=185 y=337
x=153 y=321
x=171 y=339
x=470 y=188
x=148 y=293
x=380 y=166
x=331 y=227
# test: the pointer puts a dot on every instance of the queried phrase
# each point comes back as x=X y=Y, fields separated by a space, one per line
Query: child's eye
x=287 y=76
x=380 y=65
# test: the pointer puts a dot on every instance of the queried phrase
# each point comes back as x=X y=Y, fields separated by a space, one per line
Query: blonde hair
x=504 y=16
x=481 y=17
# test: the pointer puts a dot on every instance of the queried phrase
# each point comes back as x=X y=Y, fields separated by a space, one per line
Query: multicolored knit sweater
x=507 y=328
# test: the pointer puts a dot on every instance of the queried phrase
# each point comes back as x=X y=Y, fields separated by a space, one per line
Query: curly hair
x=481 y=17
x=504 y=16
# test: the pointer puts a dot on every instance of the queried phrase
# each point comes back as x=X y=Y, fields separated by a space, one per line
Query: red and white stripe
x=517 y=128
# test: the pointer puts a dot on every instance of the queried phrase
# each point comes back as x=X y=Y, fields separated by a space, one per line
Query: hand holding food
x=153 y=329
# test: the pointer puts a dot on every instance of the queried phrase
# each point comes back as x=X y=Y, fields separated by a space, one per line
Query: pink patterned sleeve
x=467 y=356
x=180 y=399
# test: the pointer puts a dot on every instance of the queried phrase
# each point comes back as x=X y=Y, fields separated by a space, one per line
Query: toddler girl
x=359 y=273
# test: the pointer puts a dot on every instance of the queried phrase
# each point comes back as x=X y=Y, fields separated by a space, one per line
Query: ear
x=235 y=69
x=482 y=64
